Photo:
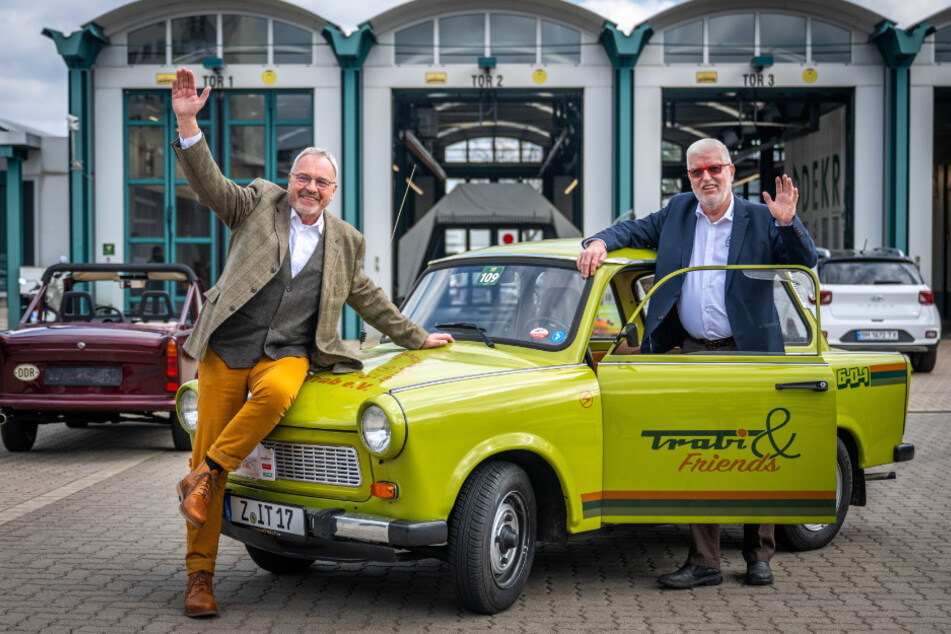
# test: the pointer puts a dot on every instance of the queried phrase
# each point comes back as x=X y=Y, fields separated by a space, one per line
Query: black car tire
x=924 y=361
x=278 y=564
x=492 y=537
x=18 y=435
x=813 y=536
x=180 y=437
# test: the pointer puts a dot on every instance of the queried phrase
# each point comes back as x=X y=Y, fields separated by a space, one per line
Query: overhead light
x=395 y=167
x=571 y=187
x=744 y=181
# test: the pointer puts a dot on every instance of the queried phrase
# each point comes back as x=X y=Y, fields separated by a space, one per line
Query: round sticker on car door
x=26 y=372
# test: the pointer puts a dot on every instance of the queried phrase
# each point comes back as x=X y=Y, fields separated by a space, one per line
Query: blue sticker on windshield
x=558 y=336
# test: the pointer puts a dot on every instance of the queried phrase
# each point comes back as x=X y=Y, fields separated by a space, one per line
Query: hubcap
x=507 y=549
x=815 y=528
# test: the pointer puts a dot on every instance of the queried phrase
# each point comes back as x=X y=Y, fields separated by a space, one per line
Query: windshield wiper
x=468 y=325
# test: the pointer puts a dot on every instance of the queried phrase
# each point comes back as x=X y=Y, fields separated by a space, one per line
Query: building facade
x=543 y=92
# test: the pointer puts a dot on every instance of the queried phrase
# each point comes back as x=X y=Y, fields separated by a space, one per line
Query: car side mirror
x=629 y=335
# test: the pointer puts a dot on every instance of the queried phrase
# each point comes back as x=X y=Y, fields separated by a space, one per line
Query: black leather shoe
x=691 y=575
x=758 y=574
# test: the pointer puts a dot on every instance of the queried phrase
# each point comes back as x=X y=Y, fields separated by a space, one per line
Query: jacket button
x=660 y=318
x=254 y=290
x=288 y=289
x=231 y=308
x=273 y=270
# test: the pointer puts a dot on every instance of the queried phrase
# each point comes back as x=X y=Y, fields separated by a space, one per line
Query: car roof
x=880 y=254
x=561 y=249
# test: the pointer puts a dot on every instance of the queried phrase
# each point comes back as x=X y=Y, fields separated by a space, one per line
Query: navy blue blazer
x=755 y=239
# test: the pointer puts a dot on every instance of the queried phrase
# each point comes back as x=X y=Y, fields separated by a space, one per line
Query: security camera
x=72 y=123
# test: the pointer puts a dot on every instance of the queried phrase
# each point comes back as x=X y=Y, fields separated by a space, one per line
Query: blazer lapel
x=332 y=256
x=741 y=220
x=690 y=232
x=282 y=227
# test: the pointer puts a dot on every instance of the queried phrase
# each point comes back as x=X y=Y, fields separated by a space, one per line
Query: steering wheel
x=104 y=315
x=550 y=323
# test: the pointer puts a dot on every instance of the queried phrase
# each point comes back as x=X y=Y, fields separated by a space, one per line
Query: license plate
x=877 y=335
x=83 y=376
x=276 y=517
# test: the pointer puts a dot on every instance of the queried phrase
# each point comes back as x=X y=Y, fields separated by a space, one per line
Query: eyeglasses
x=304 y=180
x=714 y=170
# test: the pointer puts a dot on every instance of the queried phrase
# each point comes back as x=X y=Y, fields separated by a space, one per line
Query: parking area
x=91 y=540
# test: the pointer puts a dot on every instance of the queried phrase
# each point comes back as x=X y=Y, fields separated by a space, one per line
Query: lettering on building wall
x=758 y=79
x=816 y=163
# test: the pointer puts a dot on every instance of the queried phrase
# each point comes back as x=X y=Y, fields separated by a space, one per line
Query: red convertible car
x=99 y=343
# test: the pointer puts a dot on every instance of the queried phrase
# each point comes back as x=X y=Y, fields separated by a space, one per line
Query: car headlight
x=375 y=429
x=383 y=426
x=188 y=410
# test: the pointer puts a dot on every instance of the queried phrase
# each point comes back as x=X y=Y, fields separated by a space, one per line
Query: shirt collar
x=298 y=225
x=727 y=216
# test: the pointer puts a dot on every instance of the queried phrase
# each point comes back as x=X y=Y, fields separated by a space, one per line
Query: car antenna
x=865 y=246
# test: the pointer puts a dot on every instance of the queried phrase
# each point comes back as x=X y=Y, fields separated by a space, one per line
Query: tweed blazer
x=258 y=216
x=754 y=239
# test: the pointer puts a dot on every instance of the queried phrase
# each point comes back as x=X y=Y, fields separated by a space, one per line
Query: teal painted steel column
x=623 y=51
x=15 y=158
x=351 y=51
x=898 y=49
x=79 y=50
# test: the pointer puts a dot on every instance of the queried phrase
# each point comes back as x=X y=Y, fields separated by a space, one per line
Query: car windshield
x=525 y=304
x=868 y=272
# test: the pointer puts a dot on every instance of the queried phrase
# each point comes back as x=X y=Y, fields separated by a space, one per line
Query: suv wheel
x=813 y=536
x=18 y=435
x=278 y=564
x=924 y=361
x=492 y=537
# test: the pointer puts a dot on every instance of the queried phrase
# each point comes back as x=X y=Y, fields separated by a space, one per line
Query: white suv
x=876 y=300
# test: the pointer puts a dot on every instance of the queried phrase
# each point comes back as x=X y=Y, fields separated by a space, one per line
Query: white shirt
x=303 y=239
x=702 y=302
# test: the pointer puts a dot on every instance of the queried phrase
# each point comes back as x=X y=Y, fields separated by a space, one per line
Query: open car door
x=722 y=437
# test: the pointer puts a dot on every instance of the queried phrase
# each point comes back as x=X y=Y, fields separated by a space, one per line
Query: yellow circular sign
x=539 y=76
x=269 y=77
x=810 y=75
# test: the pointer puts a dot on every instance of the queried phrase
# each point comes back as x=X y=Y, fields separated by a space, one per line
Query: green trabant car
x=543 y=421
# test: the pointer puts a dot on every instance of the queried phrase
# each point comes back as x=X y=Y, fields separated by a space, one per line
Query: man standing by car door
x=713 y=310
x=271 y=316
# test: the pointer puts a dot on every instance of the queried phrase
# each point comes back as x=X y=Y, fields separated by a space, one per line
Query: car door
x=722 y=436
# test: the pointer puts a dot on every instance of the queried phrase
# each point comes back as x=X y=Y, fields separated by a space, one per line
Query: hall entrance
x=807 y=134
x=452 y=137
x=941 y=234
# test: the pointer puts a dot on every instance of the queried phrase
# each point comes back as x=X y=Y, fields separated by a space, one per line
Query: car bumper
x=883 y=347
x=334 y=535
x=98 y=402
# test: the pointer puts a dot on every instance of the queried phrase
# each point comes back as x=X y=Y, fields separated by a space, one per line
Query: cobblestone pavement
x=91 y=541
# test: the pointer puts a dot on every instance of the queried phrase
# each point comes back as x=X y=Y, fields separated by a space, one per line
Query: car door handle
x=815 y=386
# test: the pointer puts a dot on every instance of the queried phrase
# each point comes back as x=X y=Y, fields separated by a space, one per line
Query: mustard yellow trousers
x=230 y=426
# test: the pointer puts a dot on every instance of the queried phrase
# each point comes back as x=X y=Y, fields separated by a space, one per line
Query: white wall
x=920 y=177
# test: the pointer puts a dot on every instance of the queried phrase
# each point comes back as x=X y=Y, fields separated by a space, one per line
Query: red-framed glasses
x=715 y=169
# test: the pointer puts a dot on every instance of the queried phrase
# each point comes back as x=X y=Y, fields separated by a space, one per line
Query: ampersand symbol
x=768 y=433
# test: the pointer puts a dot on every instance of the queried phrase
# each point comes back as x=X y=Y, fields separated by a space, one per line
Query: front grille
x=318 y=464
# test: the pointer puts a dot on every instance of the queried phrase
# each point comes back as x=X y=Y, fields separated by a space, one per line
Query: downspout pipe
x=79 y=50
x=351 y=51
x=623 y=51
x=898 y=49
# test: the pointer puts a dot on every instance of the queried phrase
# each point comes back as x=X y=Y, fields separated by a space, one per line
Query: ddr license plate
x=109 y=376
x=877 y=335
x=276 y=517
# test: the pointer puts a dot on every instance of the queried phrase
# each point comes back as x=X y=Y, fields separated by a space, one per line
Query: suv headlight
x=383 y=426
x=188 y=409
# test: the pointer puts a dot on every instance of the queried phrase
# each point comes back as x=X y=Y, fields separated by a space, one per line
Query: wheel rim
x=815 y=528
x=507 y=550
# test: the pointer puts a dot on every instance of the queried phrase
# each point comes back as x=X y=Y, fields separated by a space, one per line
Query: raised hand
x=784 y=207
x=186 y=103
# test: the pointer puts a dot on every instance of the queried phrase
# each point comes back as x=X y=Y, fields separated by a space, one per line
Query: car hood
x=332 y=401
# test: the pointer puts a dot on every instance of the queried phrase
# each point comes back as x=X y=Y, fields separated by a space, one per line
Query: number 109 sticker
x=489 y=276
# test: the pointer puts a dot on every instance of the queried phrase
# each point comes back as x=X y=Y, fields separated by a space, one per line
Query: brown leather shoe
x=194 y=493
x=199 y=599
